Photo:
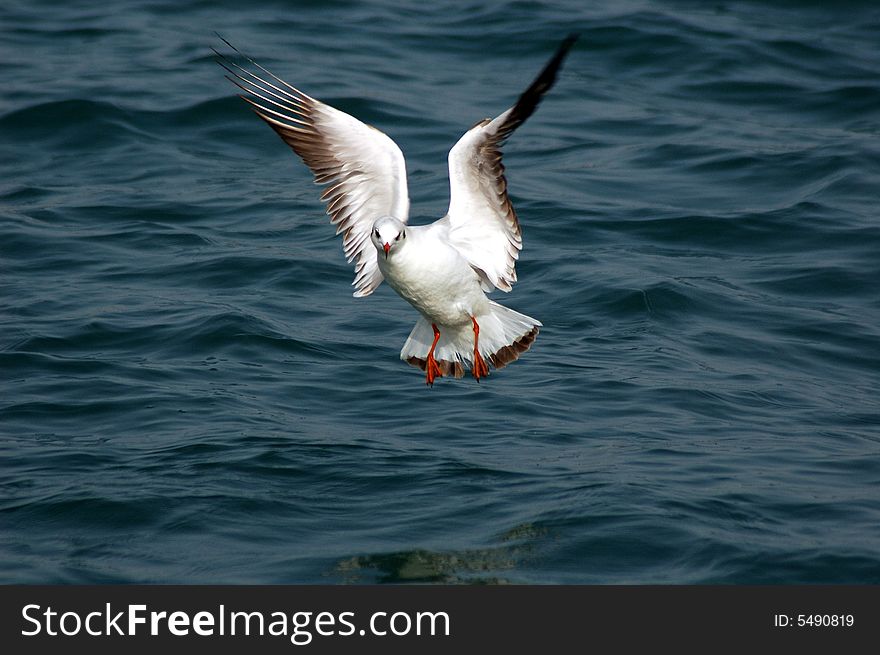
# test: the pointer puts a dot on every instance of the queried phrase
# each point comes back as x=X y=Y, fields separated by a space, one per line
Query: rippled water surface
x=189 y=393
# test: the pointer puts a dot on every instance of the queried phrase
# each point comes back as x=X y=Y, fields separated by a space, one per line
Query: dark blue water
x=189 y=392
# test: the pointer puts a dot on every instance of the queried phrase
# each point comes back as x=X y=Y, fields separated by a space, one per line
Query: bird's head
x=388 y=233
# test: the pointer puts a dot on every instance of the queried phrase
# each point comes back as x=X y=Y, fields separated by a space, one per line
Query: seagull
x=444 y=269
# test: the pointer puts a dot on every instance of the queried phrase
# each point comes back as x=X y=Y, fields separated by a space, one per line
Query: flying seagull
x=444 y=269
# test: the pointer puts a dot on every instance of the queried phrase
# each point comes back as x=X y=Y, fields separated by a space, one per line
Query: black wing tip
x=547 y=77
x=566 y=45
x=222 y=38
x=567 y=42
x=221 y=56
x=545 y=80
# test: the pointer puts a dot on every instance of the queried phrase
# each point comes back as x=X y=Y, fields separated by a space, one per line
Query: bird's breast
x=435 y=279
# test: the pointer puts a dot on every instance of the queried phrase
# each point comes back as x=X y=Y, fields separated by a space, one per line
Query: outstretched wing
x=482 y=223
x=363 y=167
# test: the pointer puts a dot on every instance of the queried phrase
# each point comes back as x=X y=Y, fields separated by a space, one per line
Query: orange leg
x=432 y=370
x=480 y=368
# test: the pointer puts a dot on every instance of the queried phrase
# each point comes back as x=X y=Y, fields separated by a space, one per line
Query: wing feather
x=364 y=169
x=483 y=224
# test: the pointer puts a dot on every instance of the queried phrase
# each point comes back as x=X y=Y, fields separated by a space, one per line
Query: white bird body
x=444 y=269
x=427 y=271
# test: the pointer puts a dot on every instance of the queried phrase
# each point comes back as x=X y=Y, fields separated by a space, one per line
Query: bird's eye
x=376 y=232
x=397 y=238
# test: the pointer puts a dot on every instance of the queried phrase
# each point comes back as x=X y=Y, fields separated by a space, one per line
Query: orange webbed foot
x=479 y=369
x=432 y=369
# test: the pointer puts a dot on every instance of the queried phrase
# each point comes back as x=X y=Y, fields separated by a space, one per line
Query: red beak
x=387 y=247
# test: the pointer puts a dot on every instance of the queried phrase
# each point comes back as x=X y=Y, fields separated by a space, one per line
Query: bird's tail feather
x=504 y=336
